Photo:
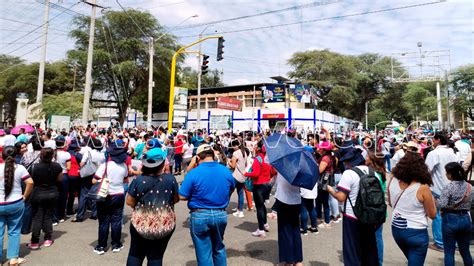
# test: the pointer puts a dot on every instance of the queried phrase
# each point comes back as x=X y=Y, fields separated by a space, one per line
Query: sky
x=251 y=54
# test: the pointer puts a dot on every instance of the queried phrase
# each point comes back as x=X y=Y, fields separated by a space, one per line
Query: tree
x=120 y=68
x=67 y=103
x=188 y=78
x=462 y=81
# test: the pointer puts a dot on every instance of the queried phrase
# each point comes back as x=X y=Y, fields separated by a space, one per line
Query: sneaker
x=259 y=233
x=234 y=209
x=99 y=250
x=239 y=214
x=336 y=220
x=324 y=225
x=33 y=246
x=117 y=249
x=55 y=223
x=272 y=215
x=48 y=243
x=433 y=246
x=266 y=227
x=314 y=230
x=304 y=232
x=61 y=221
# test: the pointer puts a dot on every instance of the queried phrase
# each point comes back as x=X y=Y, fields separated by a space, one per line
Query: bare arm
x=192 y=164
x=131 y=201
x=233 y=162
x=339 y=195
x=29 y=188
x=68 y=165
x=425 y=196
x=322 y=166
x=182 y=198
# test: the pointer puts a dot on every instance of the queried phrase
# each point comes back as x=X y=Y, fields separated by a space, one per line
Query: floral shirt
x=453 y=194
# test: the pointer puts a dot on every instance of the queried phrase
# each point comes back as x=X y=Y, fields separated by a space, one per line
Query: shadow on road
x=122 y=238
x=318 y=263
x=247 y=226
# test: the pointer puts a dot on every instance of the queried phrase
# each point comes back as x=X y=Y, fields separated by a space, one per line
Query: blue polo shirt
x=207 y=186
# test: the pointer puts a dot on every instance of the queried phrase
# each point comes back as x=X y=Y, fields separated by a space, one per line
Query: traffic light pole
x=173 y=76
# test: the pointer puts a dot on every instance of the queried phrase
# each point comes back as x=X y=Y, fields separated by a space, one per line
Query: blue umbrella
x=288 y=156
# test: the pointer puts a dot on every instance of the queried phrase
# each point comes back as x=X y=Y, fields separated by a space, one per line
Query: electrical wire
x=323 y=19
x=31 y=24
x=292 y=8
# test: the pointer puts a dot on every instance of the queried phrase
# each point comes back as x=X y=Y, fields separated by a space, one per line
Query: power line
x=323 y=19
x=319 y=3
x=131 y=18
x=31 y=24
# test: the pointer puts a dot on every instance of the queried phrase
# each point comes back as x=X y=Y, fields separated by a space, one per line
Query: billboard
x=180 y=111
x=301 y=93
x=229 y=103
x=273 y=93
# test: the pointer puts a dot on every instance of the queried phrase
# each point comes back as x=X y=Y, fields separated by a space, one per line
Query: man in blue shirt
x=207 y=189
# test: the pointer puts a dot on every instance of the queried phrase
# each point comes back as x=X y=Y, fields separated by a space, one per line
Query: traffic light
x=204 y=65
x=220 y=48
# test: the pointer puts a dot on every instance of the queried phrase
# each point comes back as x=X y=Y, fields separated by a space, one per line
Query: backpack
x=370 y=207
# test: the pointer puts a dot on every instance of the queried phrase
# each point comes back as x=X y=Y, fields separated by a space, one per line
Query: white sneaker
x=259 y=233
x=266 y=227
x=234 y=209
x=61 y=221
x=239 y=214
x=324 y=225
x=55 y=224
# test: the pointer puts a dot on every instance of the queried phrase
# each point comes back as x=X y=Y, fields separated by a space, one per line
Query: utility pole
x=438 y=100
x=198 y=109
x=39 y=92
x=90 y=50
x=447 y=100
x=367 y=115
x=150 y=82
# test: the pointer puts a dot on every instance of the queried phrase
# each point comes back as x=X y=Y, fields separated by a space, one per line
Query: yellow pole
x=173 y=75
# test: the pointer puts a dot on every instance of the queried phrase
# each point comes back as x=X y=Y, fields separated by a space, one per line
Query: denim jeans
x=239 y=187
x=436 y=227
x=307 y=207
x=260 y=193
x=86 y=184
x=141 y=248
x=379 y=238
x=60 y=212
x=413 y=243
x=27 y=219
x=10 y=216
x=207 y=232
x=456 y=229
x=388 y=157
x=322 y=202
x=334 y=206
x=109 y=214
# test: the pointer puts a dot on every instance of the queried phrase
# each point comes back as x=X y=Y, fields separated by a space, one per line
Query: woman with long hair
x=411 y=200
x=47 y=176
x=238 y=164
x=11 y=202
x=152 y=196
x=327 y=162
x=261 y=176
x=377 y=162
x=455 y=203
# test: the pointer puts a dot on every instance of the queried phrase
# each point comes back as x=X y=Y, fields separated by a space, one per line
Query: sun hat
x=153 y=143
x=324 y=145
x=154 y=157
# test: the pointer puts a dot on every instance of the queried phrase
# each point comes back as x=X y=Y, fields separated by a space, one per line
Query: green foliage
x=68 y=103
x=188 y=78
x=462 y=81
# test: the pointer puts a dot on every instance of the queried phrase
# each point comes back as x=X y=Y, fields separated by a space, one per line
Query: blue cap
x=154 y=157
x=153 y=143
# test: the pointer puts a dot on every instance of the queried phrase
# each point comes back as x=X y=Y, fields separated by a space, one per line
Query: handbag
x=100 y=190
x=89 y=168
x=249 y=181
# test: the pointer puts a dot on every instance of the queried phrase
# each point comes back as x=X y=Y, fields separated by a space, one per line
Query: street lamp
x=198 y=114
x=151 y=47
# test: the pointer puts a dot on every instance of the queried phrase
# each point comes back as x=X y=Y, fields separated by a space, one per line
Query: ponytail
x=9 y=174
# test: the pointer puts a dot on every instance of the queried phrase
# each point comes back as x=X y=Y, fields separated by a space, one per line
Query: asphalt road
x=74 y=244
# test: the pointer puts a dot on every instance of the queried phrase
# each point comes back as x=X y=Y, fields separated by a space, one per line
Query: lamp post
x=198 y=114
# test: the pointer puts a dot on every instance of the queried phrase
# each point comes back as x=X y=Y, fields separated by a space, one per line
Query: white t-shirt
x=188 y=150
x=397 y=156
x=98 y=158
x=9 y=140
x=436 y=160
x=239 y=170
x=116 y=173
x=350 y=184
x=463 y=148
x=286 y=192
x=310 y=194
x=20 y=174
x=62 y=157
x=50 y=144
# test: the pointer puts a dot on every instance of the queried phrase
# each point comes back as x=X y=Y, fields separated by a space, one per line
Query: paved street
x=74 y=244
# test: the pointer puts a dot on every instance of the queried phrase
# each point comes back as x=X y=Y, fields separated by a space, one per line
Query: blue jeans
x=379 y=238
x=387 y=160
x=436 y=227
x=86 y=184
x=109 y=214
x=240 y=194
x=456 y=229
x=413 y=243
x=307 y=206
x=207 y=231
x=10 y=216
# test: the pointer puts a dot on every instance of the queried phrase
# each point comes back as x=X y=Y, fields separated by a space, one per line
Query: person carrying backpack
x=364 y=209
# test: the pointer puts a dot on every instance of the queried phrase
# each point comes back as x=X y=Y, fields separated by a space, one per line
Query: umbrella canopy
x=289 y=157
x=28 y=129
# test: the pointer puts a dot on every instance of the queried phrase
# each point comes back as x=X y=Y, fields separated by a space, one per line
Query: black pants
x=178 y=160
x=359 y=245
x=323 y=201
x=74 y=187
x=140 y=248
x=260 y=193
x=42 y=206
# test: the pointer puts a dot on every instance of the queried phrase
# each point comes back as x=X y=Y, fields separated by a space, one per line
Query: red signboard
x=229 y=103
x=273 y=116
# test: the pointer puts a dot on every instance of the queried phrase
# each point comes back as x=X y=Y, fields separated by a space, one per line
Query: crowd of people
x=420 y=174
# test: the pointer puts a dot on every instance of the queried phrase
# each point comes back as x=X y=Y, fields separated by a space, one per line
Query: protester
x=110 y=211
x=64 y=159
x=411 y=201
x=261 y=176
x=46 y=176
x=178 y=154
x=326 y=168
x=152 y=196
x=22 y=137
x=11 y=204
x=74 y=177
x=238 y=164
x=455 y=204
x=436 y=160
x=207 y=189
x=188 y=149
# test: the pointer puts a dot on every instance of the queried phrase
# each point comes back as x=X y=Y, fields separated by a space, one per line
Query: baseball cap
x=203 y=147
x=154 y=157
x=153 y=143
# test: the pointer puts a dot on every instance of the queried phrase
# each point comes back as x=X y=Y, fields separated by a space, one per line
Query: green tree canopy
x=67 y=103
x=462 y=81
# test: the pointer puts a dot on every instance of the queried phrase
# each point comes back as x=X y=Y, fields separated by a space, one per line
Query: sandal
x=17 y=261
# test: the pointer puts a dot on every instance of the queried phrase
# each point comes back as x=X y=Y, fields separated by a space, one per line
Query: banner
x=229 y=103
x=180 y=111
x=300 y=93
x=273 y=93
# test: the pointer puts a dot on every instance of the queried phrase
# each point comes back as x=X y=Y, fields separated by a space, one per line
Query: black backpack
x=370 y=207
